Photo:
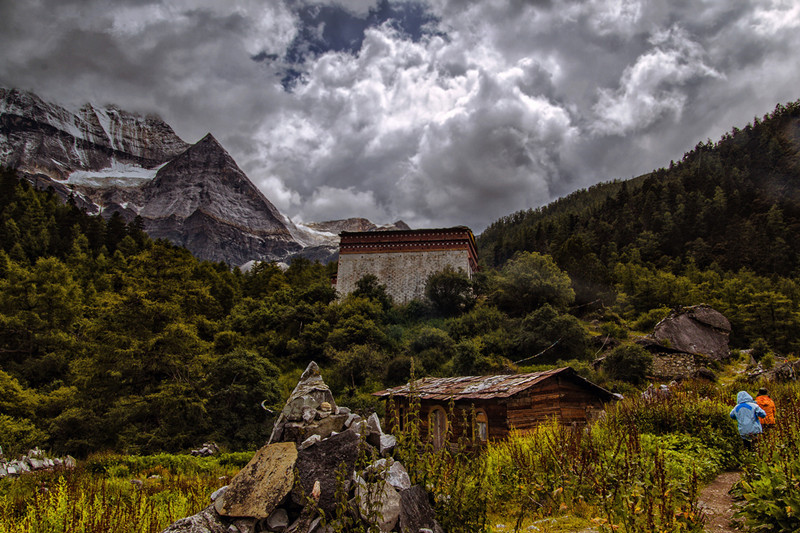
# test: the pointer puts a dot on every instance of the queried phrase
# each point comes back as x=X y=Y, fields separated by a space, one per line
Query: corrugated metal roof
x=474 y=387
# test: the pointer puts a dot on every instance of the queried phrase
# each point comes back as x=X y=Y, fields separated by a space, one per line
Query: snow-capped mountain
x=110 y=160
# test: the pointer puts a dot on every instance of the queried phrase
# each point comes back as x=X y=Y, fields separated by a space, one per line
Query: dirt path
x=717 y=503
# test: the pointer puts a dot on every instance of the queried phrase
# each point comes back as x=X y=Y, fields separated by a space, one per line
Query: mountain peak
x=209 y=139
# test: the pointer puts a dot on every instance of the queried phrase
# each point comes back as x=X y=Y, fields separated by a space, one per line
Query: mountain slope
x=37 y=137
x=203 y=201
x=109 y=160
x=732 y=204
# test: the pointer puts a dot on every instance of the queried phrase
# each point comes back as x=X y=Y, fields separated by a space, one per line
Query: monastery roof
x=485 y=387
x=410 y=240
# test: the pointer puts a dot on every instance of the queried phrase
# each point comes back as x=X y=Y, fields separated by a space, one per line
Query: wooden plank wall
x=495 y=413
x=563 y=399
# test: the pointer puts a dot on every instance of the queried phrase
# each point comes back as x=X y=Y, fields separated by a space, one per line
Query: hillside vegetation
x=720 y=226
x=112 y=341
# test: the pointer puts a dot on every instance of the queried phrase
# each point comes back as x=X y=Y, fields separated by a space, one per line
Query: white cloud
x=327 y=203
x=653 y=85
x=615 y=17
x=775 y=16
x=509 y=104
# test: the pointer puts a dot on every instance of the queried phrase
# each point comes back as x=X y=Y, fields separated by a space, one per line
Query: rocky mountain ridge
x=194 y=195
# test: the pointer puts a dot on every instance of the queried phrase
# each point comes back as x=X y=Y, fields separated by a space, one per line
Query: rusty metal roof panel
x=472 y=387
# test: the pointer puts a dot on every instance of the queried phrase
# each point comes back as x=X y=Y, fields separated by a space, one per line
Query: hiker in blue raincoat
x=747 y=414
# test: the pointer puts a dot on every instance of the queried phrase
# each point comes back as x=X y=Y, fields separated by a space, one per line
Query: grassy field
x=639 y=469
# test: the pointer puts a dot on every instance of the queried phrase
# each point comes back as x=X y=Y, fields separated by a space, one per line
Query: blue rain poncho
x=747 y=413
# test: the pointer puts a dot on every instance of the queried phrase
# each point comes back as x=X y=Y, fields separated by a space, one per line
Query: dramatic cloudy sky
x=436 y=112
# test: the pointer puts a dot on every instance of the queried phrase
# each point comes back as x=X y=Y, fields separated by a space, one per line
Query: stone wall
x=403 y=273
x=674 y=365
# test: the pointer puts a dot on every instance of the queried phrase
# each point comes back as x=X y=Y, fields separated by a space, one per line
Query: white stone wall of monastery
x=403 y=273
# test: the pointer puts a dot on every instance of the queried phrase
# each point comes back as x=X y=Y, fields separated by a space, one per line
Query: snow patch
x=117 y=175
x=310 y=237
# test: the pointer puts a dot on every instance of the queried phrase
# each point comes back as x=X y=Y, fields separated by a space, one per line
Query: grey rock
x=697 y=330
x=70 y=462
x=351 y=419
x=278 y=520
x=342 y=410
x=374 y=424
x=306 y=523
x=416 y=512
x=310 y=441
x=386 y=444
x=321 y=463
x=397 y=476
x=380 y=503
x=242 y=525
x=36 y=453
x=36 y=464
x=309 y=414
x=218 y=493
x=311 y=391
x=206 y=521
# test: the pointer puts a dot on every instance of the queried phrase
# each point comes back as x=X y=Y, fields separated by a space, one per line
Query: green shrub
x=648 y=320
x=629 y=362
x=613 y=330
x=772 y=497
x=18 y=435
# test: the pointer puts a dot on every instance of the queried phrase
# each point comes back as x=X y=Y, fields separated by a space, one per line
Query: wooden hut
x=489 y=407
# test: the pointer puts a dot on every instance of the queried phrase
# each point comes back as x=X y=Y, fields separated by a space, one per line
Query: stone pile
x=206 y=450
x=33 y=461
x=309 y=469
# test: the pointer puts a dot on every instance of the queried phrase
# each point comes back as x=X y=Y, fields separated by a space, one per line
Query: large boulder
x=379 y=503
x=698 y=330
x=262 y=484
x=416 y=512
x=309 y=468
x=323 y=463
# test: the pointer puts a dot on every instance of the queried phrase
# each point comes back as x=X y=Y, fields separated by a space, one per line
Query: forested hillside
x=727 y=205
x=721 y=225
x=110 y=340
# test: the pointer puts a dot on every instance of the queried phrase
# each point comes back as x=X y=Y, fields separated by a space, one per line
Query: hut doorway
x=437 y=422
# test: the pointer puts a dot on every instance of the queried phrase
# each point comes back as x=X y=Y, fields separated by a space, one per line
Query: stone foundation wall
x=403 y=273
x=674 y=365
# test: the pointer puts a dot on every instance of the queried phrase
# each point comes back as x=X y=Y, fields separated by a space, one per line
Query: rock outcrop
x=38 y=137
x=309 y=470
x=697 y=330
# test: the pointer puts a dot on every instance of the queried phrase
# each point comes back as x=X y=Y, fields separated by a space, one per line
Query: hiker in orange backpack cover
x=765 y=402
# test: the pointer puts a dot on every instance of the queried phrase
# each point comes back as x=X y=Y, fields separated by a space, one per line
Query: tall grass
x=99 y=496
x=770 y=482
x=637 y=470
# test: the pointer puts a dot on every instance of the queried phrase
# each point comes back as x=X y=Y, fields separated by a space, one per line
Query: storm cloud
x=438 y=113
